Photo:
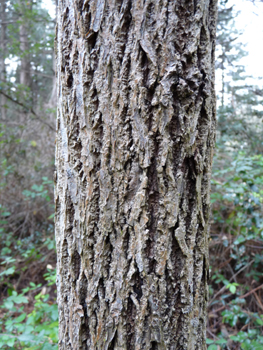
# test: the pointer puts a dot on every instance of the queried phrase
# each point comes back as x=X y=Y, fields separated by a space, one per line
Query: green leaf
x=51 y=216
x=212 y=347
x=8 y=304
x=9 y=271
x=11 y=342
x=233 y=289
x=20 y=299
x=209 y=341
x=20 y=318
x=234 y=338
x=26 y=337
x=6 y=213
x=221 y=341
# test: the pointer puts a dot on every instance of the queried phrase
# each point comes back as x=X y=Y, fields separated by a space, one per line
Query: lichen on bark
x=135 y=138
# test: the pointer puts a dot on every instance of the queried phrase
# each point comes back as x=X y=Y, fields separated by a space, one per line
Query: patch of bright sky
x=250 y=22
x=50 y=6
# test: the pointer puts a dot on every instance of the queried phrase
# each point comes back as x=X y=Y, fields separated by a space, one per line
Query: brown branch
x=219 y=309
x=258 y=300
x=252 y=291
x=29 y=109
x=224 y=288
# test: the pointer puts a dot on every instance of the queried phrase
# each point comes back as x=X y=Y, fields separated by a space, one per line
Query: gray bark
x=24 y=47
x=135 y=138
x=2 y=55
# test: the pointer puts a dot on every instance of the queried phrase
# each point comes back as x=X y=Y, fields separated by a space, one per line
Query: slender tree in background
x=2 y=57
x=27 y=119
x=240 y=99
x=135 y=138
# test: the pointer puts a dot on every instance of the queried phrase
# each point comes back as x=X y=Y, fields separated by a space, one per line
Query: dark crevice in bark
x=87 y=16
x=188 y=168
x=130 y=325
x=101 y=288
x=137 y=285
x=65 y=19
x=84 y=338
x=84 y=331
x=113 y=342
x=83 y=288
x=110 y=74
x=177 y=257
x=145 y=66
x=108 y=157
x=203 y=115
x=195 y=6
x=76 y=264
x=149 y=14
x=125 y=242
x=108 y=248
x=91 y=38
x=124 y=32
x=153 y=205
x=180 y=334
x=175 y=125
x=79 y=5
x=70 y=212
x=94 y=99
x=94 y=207
x=70 y=80
x=201 y=50
x=190 y=172
x=154 y=345
x=118 y=4
x=165 y=178
x=65 y=257
x=176 y=148
x=57 y=207
x=205 y=275
x=125 y=74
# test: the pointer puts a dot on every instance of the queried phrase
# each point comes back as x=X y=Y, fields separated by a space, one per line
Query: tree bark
x=135 y=138
x=2 y=56
x=25 y=65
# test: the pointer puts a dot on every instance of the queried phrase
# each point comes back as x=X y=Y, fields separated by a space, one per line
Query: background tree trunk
x=136 y=129
x=2 y=56
x=25 y=65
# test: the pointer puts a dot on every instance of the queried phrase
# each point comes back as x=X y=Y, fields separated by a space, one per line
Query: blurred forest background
x=28 y=310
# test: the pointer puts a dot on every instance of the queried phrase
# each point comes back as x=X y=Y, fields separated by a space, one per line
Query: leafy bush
x=36 y=330
x=236 y=254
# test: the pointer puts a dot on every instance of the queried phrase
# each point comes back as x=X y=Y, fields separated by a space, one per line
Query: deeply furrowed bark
x=136 y=129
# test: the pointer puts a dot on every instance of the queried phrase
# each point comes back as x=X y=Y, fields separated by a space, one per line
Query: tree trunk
x=24 y=47
x=136 y=131
x=2 y=56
